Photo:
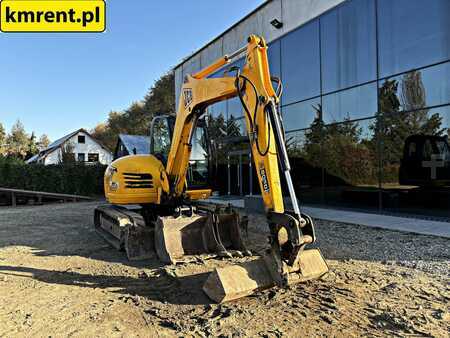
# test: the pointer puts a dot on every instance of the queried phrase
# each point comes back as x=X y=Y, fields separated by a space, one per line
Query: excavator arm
x=290 y=230
x=254 y=87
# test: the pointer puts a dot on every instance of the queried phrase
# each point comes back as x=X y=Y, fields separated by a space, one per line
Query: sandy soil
x=58 y=278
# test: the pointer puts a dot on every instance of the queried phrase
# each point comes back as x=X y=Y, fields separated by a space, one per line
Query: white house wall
x=89 y=147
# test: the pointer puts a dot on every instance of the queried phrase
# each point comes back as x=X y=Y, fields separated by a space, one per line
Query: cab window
x=161 y=137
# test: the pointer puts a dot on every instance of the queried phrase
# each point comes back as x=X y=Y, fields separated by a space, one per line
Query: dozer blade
x=237 y=281
x=110 y=224
x=125 y=230
x=139 y=242
x=176 y=237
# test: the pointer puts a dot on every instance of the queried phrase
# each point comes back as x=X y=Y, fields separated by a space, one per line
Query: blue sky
x=56 y=83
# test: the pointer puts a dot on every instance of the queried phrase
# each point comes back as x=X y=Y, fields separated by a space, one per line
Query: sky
x=57 y=83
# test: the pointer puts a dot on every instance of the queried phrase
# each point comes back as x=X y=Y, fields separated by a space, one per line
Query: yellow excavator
x=169 y=222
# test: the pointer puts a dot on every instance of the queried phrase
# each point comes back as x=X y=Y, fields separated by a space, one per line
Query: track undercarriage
x=143 y=233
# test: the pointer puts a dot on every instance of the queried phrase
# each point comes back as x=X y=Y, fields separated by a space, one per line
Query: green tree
x=43 y=142
x=161 y=97
x=393 y=126
x=67 y=155
x=217 y=131
x=17 y=140
x=136 y=119
x=32 y=146
x=232 y=127
x=338 y=148
x=2 y=139
x=314 y=138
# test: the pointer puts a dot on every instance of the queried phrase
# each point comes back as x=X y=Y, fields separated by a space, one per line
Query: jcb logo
x=265 y=183
x=187 y=94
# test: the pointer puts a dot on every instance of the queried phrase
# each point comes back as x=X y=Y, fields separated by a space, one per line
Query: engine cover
x=135 y=179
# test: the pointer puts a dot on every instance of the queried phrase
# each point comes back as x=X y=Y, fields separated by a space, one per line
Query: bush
x=77 y=179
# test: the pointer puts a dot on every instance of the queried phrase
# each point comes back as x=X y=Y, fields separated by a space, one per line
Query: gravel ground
x=58 y=278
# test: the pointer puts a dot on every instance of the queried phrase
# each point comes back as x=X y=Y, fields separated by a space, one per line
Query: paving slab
x=398 y=223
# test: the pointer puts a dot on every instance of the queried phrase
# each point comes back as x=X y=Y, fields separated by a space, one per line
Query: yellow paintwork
x=198 y=194
x=256 y=69
x=138 y=164
x=197 y=93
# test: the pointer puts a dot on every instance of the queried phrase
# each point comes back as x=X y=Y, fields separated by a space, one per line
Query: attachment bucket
x=197 y=234
x=237 y=281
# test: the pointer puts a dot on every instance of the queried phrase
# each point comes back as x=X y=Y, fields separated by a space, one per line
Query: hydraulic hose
x=252 y=119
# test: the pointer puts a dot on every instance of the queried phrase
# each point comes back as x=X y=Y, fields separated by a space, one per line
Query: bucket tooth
x=236 y=281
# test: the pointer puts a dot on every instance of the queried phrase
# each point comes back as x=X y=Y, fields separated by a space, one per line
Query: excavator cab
x=161 y=134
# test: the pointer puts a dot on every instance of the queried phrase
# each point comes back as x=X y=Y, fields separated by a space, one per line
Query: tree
x=32 y=146
x=338 y=148
x=17 y=140
x=43 y=142
x=136 y=119
x=67 y=155
x=217 y=131
x=161 y=97
x=393 y=126
x=2 y=139
x=232 y=127
x=314 y=137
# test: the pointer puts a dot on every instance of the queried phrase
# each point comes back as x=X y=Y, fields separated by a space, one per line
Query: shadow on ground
x=161 y=287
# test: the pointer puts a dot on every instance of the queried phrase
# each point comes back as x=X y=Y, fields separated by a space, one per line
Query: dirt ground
x=58 y=278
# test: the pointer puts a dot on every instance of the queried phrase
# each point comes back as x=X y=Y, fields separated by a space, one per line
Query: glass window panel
x=218 y=109
x=219 y=73
x=235 y=109
x=295 y=143
x=304 y=151
x=301 y=63
x=274 y=58
x=418 y=89
x=224 y=70
x=348 y=41
x=354 y=103
x=416 y=162
x=236 y=127
x=349 y=158
x=300 y=115
x=412 y=34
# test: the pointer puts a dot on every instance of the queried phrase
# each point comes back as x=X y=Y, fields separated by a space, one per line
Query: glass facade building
x=366 y=108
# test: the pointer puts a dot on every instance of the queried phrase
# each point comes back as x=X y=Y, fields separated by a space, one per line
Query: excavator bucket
x=283 y=264
x=176 y=237
x=236 y=281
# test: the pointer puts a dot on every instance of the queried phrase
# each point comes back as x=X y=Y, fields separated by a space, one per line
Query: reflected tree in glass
x=341 y=150
x=217 y=130
x=348 y=155
x=233 y=127
x=393 y=125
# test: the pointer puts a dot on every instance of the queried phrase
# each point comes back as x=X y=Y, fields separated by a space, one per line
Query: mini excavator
x=171 y=224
